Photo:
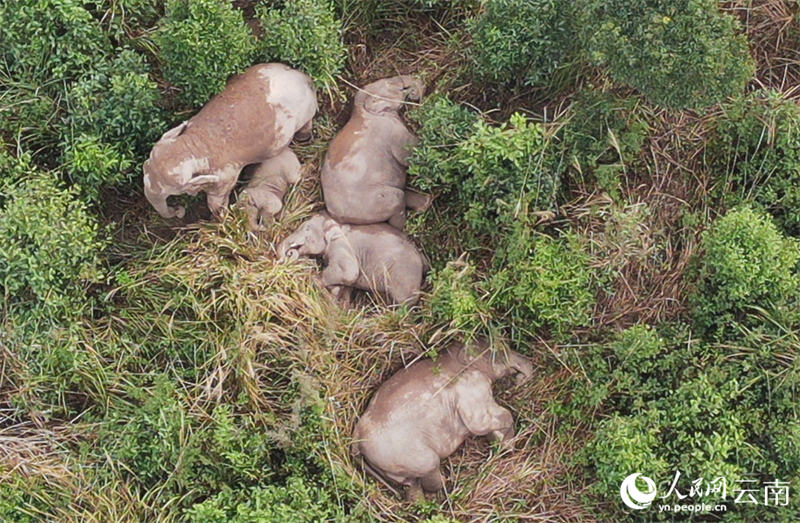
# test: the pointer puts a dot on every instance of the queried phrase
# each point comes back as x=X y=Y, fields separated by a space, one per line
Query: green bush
x=118 y=103
x=49 y=40
x=50 y=247
x=92 y=165
x=756 y=149
x=126 y=18
x=523 y=41
x=745 y=262
x=683 y=54
x=603 y=137
x=202 y=43
x=543 y=283
x=305 y=34
x=298 y=501
x=455 y=298
x=494 y=175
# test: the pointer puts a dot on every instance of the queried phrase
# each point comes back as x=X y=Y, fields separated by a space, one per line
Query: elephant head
x=389 y=94
x=171 y=170
x=495 y=364
x=310 y=239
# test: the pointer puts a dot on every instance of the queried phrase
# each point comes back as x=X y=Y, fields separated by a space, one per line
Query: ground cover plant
x=615 y=196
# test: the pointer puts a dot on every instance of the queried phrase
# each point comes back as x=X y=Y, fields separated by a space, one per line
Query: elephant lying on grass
x=262 y=199
x=251 y=121
x=373 y=257
x=364 y=173
x=425 y=412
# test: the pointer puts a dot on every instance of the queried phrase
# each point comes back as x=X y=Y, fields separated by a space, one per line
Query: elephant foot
x=418 y=201
x=414 y=492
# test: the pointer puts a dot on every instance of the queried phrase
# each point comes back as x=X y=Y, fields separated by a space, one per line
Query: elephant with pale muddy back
x=251 y=121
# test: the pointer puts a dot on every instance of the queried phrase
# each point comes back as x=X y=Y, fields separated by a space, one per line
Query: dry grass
x=288 y=330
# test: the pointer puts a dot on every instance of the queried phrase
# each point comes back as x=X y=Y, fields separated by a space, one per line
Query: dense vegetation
x=616 y=195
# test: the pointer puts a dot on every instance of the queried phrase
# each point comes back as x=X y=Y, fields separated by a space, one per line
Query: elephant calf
x=262 y=199
x=364 y=172
x=373 y=257
x=425 y=412
x=251 y=121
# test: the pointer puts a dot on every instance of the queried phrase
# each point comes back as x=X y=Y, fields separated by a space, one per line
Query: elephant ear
x=175 y=131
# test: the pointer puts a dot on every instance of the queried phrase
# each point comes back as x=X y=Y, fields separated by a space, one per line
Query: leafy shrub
x=494 y=175
x=603 y=137
x=50 y=247
x=682 y=54
x=299 y=500
x=756 y=146
x=444 y=125
x=127 y=17
x=455 y=298
x=522 y=40
x=305 y=34
x=745 y=262
x=117 y=102
x=543 y=283
x=202 y=43
x=49 y=40
x=92 y=165
x=28 y=115
x=671 y=403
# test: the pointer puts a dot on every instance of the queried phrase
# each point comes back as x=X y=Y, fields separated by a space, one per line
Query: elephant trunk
x=521 y=365
x=286 y=253
x=159 y=202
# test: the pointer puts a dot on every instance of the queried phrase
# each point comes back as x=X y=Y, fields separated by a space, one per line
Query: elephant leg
x=502 y=423
x=344 y=295
x=219 y=195
x=414 y=492
x=305 y=133
x=481 y=415
x=292 y=166
x=432 y=481
x=417 y=201
x=218 y=203
x=398 y=221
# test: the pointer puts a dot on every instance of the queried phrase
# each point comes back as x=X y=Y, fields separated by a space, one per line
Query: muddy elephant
x=251 y=121
x=424 y=412
x=262 y=198
x=365 y=169
x=374 y=257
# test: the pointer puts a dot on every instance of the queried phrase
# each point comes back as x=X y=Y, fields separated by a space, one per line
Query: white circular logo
x=632 y=496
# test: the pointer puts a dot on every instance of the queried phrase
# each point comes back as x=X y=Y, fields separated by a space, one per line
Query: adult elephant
x=251 y=121
x=365 y=169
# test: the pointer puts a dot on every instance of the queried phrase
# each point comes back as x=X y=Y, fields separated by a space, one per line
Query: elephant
x=424 y=412
x=262 y=198
x=374 y=257
x=365 y=169
x=252 y=120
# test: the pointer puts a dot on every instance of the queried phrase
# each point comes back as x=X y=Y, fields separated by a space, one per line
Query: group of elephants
x=424 y=412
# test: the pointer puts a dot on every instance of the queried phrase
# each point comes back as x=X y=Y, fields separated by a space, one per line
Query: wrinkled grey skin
x=373 y=257
x=262 y=199
x=425 y=412
x=252 y=120
x=365 y=169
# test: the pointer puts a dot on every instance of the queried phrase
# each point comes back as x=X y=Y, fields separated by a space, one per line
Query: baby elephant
x=373 y=257
x=251 y=121
x=262 y=199
x=364 y=173
x=425 y=412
